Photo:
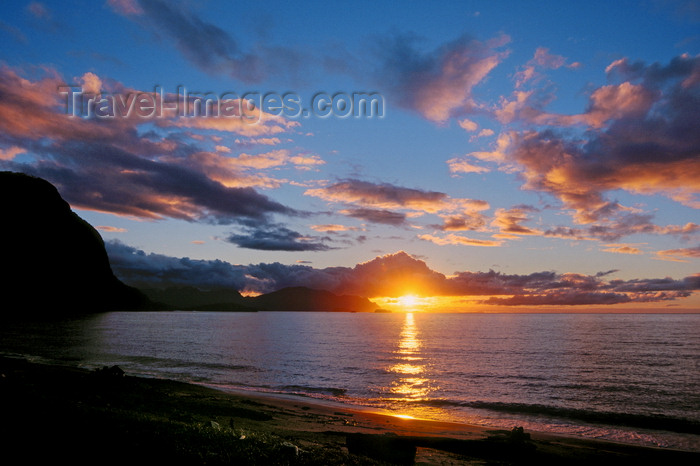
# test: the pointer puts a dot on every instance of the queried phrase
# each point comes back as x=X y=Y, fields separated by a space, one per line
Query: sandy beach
x=107 y=417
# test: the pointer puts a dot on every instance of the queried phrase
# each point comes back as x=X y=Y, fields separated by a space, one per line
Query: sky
x=479 y=156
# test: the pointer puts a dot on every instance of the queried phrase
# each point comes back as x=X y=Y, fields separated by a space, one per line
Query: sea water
x=625 y=377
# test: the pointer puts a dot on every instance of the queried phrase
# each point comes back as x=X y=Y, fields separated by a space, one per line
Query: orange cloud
x=623 y=249
x=510 y=222
x=463 y=166
x=254 y=123
x=387 y=196
x=466 y=221
x=452 y=239
x=679 y=255
x=92 y=84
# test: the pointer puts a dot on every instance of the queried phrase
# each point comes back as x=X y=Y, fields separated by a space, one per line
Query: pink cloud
x=438 y=84
x=541 y=59
x=110 y=229
x=125 y=7
x=39 y=10
x=11 y=152
x=468 y=125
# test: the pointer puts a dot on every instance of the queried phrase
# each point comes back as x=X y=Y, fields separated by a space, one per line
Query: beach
x=53 y=412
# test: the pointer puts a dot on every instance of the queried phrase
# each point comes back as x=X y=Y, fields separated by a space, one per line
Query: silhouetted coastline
x=108 y=417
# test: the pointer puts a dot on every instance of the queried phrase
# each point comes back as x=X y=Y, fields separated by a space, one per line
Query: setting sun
x=408 y=301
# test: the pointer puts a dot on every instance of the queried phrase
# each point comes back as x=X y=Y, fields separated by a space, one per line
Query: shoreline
x=62 y=411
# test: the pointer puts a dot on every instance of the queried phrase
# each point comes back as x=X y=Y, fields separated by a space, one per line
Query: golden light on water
x=409 y=363
x=407 y=369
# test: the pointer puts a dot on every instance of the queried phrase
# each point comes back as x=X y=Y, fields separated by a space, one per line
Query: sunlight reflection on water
x=410 y=386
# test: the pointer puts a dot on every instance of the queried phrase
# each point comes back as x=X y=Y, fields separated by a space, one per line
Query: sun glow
x=408 y=301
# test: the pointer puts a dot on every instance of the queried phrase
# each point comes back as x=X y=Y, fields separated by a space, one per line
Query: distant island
x=299 y=298
x=55 y=263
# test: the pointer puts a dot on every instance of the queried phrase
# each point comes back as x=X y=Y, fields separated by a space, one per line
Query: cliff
x=53 y=262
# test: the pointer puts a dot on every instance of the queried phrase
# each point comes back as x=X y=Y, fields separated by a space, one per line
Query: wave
x=303 y=390
x=645 y=421
x=170 y=363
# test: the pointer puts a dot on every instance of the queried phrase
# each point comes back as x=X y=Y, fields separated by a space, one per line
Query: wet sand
x=105 y=417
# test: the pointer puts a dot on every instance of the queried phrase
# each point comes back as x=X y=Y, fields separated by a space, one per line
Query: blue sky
x=518 y=137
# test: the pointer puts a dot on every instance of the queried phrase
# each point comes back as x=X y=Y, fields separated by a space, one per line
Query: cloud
x=138 y=268
x=110 y=229
x=332 y=228
x=623 y=249
x=542 y=59
x=201 y=42
x=112 y=165
x=389 y=204
x=384 y=195
x=394 y=275
x=437 y=84
x=125 y=7
x=563 y=298
x=39 y=11
x=244 y=170
x=92 y=84
x=42 y=18
x=458 y=165
x=468 y=125
x=206 y=45
x=277 y=238
x=467 y=221
x=14 y=32
x=253 y=123
x=642 y=136
x=132 y=187
x=628 y=224
x=11 y=152
x=510 y=222
x=376 y=215
x=679 y=255
x=452 y=239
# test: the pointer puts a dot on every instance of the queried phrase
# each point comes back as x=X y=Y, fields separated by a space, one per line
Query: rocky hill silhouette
x=301 y=298
x=52 y=261
x=298 y=298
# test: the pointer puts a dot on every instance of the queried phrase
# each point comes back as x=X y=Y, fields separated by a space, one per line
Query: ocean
x=632 y=378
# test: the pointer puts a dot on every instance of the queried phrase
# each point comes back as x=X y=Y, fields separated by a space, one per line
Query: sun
x=408 y=301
